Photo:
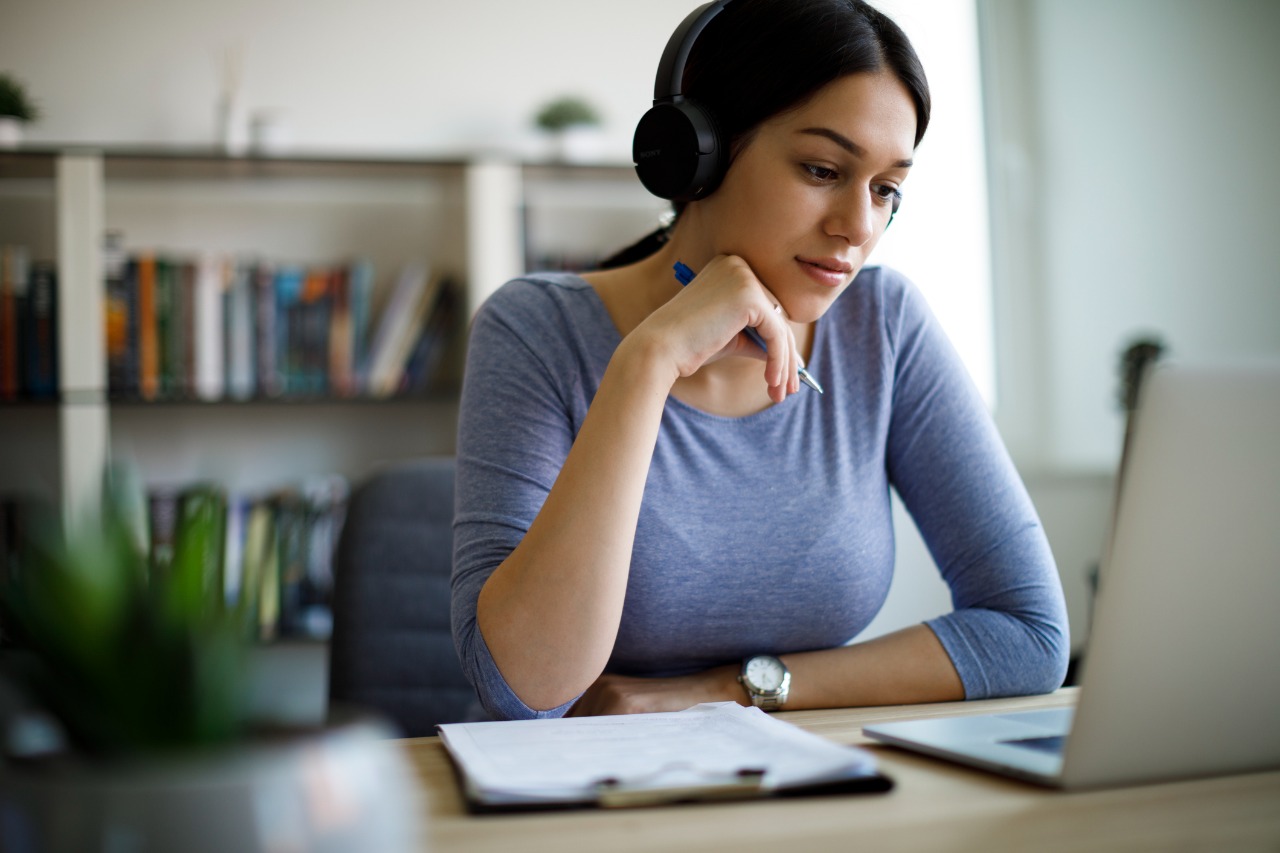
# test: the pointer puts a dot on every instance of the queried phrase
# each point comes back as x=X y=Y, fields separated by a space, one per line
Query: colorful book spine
x=210 y=363
x=13 y=289
x=312 y=347
x=184 y=366
x=270 y=378
x=398 y=329
x=225 y=328
x=40 y=333
x=259 y=601
x=166 y=328
x=341 y=364
x=238 y=328
x=116 y=309
x=360 y=307
x=148 y=341
x=423 y=367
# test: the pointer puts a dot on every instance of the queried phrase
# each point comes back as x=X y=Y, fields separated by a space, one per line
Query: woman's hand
x=703 y=323
x=621 y=694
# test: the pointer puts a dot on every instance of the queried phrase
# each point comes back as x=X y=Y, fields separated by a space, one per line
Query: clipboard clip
x=641 y=791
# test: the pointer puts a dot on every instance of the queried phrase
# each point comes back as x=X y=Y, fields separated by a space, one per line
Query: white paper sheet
x=566 y=759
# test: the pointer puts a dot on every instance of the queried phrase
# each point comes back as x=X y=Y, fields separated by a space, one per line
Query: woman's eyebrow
x=848 y=144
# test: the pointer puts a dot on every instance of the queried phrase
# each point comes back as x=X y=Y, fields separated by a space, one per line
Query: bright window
x=940 y=238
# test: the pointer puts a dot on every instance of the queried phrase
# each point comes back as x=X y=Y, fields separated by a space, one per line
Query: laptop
x=1182 y=676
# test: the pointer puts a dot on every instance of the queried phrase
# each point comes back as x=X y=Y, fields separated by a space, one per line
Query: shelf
x=474 y=217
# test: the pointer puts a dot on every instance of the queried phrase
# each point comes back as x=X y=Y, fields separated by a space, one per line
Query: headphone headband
x=670 y=80
x=676 y=149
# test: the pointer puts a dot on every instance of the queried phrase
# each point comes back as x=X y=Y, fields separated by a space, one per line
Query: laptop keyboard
x=1052 y=744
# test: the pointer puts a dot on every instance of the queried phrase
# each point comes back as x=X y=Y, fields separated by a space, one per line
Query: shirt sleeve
x=1008 y=632
x=515 y=428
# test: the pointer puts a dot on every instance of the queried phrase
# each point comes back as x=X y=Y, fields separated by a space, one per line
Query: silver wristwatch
x=767 y=681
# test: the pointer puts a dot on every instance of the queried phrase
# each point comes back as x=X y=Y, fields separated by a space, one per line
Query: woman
x=651 y=511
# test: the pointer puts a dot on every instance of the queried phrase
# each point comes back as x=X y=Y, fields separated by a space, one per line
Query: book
x=217 y=327
x=184 y=366
x=260 y=572
x=238 y=319
x=401 y=317
x=168 y=327
x=290 y=521
x=360 y=277
x=13 y=292
x=315 y=305
x=279 y=289
x=209 y=364
x=148 y=367
x=340 y=360
x=713 y=751
x=119 y=278
x=40 y=333
x=423 y=366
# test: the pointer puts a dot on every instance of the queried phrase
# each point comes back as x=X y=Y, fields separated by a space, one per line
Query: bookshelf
x=479 y=219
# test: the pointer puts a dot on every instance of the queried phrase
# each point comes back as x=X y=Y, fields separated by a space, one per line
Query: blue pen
x=684 y=275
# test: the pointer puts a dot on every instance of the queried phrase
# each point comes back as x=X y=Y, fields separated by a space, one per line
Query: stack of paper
x=708 y=751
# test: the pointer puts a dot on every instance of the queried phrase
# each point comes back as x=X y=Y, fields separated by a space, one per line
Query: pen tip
x=808 y=379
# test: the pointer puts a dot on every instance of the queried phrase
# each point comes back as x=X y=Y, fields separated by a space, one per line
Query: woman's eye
x=887 y=193
x=822 y=173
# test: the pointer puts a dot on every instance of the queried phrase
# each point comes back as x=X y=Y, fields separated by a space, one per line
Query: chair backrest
x=392 y=649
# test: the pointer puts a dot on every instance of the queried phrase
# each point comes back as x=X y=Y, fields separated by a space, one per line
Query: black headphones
x=676 y=149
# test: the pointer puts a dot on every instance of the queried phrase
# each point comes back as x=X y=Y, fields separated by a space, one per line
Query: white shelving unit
x=468 y=217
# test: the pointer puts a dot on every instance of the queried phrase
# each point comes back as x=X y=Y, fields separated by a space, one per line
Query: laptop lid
x=1182 y=676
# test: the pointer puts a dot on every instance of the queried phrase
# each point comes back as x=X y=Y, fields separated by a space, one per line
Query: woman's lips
x=829 y=273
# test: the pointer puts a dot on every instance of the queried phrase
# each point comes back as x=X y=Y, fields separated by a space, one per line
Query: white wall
x=1137 y=190
x=384 y=75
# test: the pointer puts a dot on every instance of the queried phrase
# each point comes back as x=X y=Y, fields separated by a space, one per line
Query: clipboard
x=748 y=755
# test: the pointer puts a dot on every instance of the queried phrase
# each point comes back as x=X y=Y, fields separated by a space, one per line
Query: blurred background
x=1098 y=171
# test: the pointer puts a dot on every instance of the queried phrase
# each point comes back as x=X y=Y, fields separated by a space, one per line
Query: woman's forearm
x=905 y=667
x=550 y=612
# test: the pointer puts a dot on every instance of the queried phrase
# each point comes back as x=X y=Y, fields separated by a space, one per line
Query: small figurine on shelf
x=16 y=110
x=233 y=127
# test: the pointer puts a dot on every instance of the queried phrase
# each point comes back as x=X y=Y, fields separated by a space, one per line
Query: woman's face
x=806 y=200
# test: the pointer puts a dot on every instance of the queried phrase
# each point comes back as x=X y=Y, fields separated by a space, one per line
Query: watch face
x=765 y=673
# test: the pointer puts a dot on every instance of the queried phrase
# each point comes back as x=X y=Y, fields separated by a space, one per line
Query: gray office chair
x=392 y=649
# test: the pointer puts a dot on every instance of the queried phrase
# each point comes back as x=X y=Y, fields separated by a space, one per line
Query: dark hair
x=759 y=58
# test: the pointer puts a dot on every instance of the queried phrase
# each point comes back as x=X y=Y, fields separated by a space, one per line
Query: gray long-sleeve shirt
x=772 y=532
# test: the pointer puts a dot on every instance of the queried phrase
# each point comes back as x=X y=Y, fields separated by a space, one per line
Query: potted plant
x=16 y=109
x=132 y=727
x=573 y=125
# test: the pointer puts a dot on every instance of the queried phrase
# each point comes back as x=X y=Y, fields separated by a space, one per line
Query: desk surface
x=935 y=805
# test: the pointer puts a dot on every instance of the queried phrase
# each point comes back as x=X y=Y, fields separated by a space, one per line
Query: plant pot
x=342 y=788
x=577 y=144
x=10 y=132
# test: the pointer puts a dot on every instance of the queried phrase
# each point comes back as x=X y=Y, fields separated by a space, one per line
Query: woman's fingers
x=727 y=311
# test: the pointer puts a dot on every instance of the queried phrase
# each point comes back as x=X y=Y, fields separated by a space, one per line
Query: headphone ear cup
x=677 y=151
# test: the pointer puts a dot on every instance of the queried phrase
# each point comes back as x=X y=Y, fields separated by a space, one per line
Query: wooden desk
x=934 y=806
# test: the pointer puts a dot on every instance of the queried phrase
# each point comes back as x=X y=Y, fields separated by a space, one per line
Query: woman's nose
x=854 y=217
